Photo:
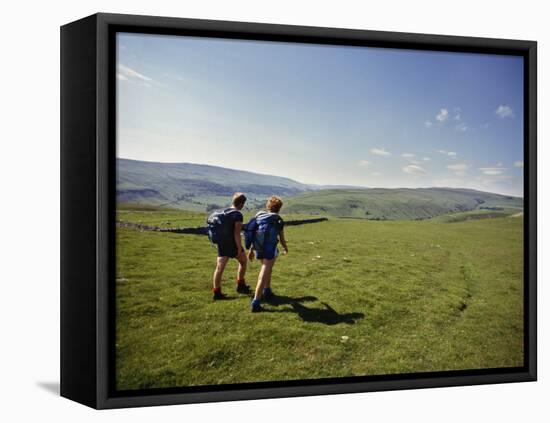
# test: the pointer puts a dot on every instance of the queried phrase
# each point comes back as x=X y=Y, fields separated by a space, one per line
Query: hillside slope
x=397 y=204
x=193 y=186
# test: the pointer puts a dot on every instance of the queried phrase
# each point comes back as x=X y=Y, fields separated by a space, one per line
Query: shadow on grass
x=326 y=315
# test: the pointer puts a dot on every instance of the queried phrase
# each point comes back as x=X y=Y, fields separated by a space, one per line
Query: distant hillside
x=397 y=204
x=203 y=188
x=193 y=186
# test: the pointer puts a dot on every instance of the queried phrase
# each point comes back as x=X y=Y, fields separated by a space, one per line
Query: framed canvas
x=257 y=211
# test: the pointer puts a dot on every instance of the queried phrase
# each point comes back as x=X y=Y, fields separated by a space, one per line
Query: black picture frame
x=88 y=207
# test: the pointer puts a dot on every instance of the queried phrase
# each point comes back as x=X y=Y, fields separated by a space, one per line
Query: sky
x=327 y=115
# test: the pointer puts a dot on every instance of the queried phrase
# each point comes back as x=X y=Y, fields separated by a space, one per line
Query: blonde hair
x=274 y=204
x=238 y=199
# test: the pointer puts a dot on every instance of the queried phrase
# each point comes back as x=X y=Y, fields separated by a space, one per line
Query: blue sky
x=323 y=114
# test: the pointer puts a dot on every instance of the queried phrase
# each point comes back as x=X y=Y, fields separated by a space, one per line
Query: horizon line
x=334 y=186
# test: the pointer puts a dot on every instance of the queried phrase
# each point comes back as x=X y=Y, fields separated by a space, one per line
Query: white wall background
x=29 y=169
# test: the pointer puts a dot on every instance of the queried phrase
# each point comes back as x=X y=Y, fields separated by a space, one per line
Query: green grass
x=397 y=204
x=475 y=215
x=410 y=296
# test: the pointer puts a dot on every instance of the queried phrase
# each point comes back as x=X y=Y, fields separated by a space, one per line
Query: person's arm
x=283 y=241
x=237 y=236
x=251 y=254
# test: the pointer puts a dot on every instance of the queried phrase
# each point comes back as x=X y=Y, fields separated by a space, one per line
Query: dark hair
x=238 y=199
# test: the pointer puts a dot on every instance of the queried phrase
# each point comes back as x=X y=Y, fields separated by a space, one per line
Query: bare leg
x=263 y=277
x=218 y=273
x=268 y=281
x=268 y=278
x=241 y=271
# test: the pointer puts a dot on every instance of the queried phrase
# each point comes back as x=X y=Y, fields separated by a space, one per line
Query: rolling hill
x=203 y=188
x=398 y=204
x=193 y=186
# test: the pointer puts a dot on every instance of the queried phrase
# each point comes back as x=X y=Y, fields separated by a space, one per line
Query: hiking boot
x=257 y=309
x=268 y=294
x=219 y=296
x=243 y=288
x=255 y=306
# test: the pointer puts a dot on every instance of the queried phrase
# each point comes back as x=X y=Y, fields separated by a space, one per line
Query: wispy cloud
x=380 y=152
x=457 y=115
x=428 y=124
x=451 y=154
x=518 y=163
x=443 y=115
x=426 y=159
x=413 y=169
x=131 y=73
x=128 y=74
x=461 y=127
x=364 y=163
x=503 y=111
x=485 y=125
x=492 y=171
x=459 y=169
x=410 y=157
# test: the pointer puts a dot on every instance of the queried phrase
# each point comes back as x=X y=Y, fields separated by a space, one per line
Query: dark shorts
x=269 y=252
x=227 y=250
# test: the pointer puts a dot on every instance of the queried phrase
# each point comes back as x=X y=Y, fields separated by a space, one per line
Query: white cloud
x=364 y=163
x=504 y=111
x=428 y=124
x=461 y=127
x=451 y=154
x=132 y=76
x=457 y=115
x=426 y=159
x=492 y=171
x=459 y=169
x=130 y=73
x=410 y=158
x=414 y=170
x=380 y=152
x=518 y=163
x=443 y=115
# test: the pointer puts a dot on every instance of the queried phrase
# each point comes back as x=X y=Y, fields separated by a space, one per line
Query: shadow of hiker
x=326 y=315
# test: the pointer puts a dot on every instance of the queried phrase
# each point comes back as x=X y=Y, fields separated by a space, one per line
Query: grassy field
x=355 y=297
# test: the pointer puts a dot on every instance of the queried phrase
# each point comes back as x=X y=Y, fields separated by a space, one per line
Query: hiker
x=269 y=231
x=224 y=229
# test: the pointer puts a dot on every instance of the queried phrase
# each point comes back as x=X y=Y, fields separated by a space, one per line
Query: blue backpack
x=263 y=229
x=219 y=226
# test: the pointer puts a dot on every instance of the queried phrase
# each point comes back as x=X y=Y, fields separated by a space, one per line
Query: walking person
x=224 y=229
x=269 y=232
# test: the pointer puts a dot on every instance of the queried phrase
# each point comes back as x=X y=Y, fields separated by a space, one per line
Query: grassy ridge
x=194 y=186
x=397 y=204
x=356 y=298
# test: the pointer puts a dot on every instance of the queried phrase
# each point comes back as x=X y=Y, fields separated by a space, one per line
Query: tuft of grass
x=355 y=297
